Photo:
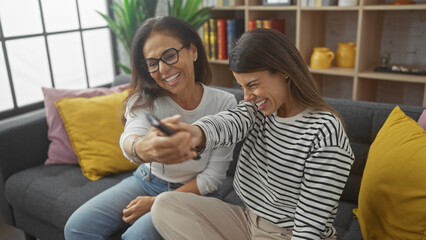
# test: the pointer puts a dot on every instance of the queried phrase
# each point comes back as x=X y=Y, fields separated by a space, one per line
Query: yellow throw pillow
x=94 y=128
x=392 y=198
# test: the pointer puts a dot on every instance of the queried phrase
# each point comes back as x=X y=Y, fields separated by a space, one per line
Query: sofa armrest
x=23 y=144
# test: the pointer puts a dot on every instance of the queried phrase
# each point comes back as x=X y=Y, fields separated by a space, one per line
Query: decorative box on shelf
x=401 y=69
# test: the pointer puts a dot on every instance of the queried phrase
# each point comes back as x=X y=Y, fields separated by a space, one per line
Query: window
x=49 y=43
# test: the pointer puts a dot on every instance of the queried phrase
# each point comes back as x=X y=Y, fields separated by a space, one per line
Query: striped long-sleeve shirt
x=291 y=171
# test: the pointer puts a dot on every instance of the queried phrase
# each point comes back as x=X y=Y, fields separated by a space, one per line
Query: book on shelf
x=206 y=38
x=276 y=24
x=267 y=23
x=213 y=38
x=220 y=34
x=251 y=24
x=259 y=23
x=234 y=29
x=223 y=3
x=222 y=52
x=210 y=3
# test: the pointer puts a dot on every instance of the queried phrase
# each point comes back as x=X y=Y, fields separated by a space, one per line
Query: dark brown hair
x=266 y=49
x=142 y=83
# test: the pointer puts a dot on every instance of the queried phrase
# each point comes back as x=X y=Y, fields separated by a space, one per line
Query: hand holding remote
x=155 y=122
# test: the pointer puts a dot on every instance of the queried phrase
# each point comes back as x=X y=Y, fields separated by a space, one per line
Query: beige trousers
x=188 y=216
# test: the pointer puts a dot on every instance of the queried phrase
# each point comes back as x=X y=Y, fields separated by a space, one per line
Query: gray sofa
x=39 y=199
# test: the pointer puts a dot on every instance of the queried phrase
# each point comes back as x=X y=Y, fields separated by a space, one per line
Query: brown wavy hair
x=142 y=83
x=263 y=49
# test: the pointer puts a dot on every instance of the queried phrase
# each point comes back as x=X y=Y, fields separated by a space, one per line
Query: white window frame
x=16 y=110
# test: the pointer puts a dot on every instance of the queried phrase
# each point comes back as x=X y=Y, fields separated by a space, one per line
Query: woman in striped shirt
x=293 y=164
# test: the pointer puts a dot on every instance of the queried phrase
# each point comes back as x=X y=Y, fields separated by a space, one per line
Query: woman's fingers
x=133 y=202
x=128 y=218
x=176 y=148
x=175 y=124
x=138 y=207
x=173 y=119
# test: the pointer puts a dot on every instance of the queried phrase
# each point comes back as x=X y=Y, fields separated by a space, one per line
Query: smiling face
x=175 y=78
x=269 y=91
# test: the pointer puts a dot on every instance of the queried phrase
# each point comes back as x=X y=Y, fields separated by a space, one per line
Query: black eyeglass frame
x=145 y=65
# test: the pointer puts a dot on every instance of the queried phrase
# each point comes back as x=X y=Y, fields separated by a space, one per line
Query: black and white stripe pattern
x=291 y=171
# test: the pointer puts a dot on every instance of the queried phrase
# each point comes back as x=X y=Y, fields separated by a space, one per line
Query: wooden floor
x=9 y=233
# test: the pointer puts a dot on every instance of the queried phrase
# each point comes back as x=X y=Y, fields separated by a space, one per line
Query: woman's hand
x=137 y=208
x=197 y=134
x=157 y=147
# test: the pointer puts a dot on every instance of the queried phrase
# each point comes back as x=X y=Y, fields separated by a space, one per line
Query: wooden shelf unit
x=309 y=27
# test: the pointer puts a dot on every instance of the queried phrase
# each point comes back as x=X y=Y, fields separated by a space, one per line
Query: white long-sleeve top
x=210 y=170
x=291 y=171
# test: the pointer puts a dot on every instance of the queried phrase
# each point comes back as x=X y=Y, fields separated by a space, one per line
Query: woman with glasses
x=294 y=161
x=170 y=72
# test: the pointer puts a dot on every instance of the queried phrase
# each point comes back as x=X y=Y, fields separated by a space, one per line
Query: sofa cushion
x=60 y=149
x=52 y=193
x=347 y=227
x=363 y=121
x=94 y=128
x=422 y=120
x=393 y=191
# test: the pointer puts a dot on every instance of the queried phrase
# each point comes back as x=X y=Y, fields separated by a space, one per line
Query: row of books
x=277 y=24
x=218 y=3
x=221 y=34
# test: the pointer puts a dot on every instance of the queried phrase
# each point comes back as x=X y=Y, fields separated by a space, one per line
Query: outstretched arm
x=156 y=147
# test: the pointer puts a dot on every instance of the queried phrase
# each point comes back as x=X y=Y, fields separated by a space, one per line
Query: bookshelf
x=364 y=24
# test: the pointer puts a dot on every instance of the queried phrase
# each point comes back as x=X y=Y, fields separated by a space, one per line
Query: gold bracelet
x=135 y=157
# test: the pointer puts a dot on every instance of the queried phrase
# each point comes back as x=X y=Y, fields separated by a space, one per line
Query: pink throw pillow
x=60 y=148
x=422 y=120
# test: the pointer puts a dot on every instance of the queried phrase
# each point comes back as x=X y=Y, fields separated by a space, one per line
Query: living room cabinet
x=325 y=26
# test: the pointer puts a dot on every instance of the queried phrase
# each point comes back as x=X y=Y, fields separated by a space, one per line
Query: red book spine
x=251 y=24
x=279 y=25
x=222 y=53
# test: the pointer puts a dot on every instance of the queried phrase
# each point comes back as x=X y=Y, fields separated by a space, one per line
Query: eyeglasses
x=169 y=57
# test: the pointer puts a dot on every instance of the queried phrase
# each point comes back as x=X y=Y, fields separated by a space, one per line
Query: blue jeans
x=101 y=216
